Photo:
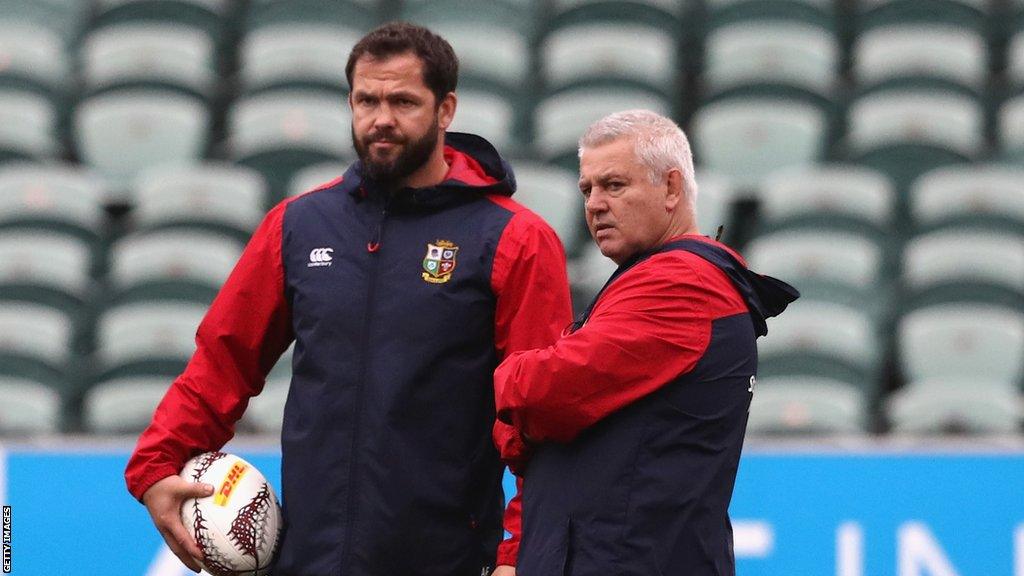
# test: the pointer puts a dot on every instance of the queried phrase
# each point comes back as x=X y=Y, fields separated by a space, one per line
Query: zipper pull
x=374 y=244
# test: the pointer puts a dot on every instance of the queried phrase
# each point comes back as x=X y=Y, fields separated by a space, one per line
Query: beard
x=389 y=171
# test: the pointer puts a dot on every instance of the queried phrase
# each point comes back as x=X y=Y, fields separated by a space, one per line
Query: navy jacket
x=401 y=305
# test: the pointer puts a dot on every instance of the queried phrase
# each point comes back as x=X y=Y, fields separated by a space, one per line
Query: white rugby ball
x=238 y=526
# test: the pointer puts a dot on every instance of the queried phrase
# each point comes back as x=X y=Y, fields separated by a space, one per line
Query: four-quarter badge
x=439 y=262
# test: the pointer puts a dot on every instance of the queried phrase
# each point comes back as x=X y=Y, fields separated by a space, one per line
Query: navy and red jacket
x=638 y=416
x=401 y=306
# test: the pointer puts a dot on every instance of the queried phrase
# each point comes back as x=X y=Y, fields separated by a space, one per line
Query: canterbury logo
x=320 y=257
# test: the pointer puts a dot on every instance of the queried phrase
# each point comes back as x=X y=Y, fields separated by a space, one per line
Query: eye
x=585 y=191
x=615 y=185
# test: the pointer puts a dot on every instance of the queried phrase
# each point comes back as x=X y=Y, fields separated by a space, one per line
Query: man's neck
x=431 y=173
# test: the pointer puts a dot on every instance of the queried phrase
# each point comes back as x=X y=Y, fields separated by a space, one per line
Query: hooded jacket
x=638 y=416
x=400 y=305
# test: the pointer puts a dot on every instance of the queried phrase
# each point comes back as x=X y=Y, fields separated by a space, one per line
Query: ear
x=674 y=192
x=446 y=111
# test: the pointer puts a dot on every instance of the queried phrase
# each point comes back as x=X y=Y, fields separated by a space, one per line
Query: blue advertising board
x=858 y=513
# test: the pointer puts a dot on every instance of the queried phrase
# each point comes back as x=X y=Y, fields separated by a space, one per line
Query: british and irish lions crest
x=439 y=263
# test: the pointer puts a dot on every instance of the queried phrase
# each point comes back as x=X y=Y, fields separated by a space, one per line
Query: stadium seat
x=354 y=14
x=28 y=126
x=553 y=194
x=123 y=405
x=807 y=405
x=123 y=133
x=171 y=264
x=979 y=194
x=296 y=55
x=819 y=13
x=39 y=333
x=945 y=52
x=961 y=406
x=963 y=341
x=746 y=138
x=588 y=273
x=216 y=196
x=1015 y=60
x=825 y=330
x=65 y=18
x=159 y=55
x=487 y=114
x=44 y=266
x=28 y=408
x=561 y=118
x=965 y=13
x=1011 y=129
x=265 y=413
x=33 y=59
x=206 y=15
x=615 y=50
x=905 y=133
x=315 y=176
x=146 y=337
x=60 y=197
x=771 y=52
x=835 y=191
x=282 y=131
x=715 y=195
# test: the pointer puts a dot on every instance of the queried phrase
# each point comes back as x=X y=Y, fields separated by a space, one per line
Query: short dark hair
x=440 y=64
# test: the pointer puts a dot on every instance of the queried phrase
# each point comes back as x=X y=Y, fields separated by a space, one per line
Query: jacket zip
x=353 y=517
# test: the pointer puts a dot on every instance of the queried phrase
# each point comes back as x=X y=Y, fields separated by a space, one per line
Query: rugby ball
x=238 y=526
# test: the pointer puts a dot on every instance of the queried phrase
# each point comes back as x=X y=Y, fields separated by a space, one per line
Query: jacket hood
x=475 y=169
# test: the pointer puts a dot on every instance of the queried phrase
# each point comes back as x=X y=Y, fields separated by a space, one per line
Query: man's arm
x=245 y=331
x=533 y=307
x=651 y=325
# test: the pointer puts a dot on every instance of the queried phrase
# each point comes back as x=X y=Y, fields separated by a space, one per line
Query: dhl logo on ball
x=230 y=480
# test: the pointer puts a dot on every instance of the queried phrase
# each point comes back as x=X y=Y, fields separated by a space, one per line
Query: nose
x=595 y=202
x=384 y=117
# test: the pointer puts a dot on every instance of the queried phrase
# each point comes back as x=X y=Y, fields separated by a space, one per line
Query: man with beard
x=403 y=284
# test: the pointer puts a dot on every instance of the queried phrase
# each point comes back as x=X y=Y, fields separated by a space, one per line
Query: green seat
x=983 y=194
x=490 y=115
x=562 y=117
x=265 y=413
x=959 y=406
x=818 y=13
x=944 y=51
x=210 y=16
x=588 y=272
x=554 y=195
x=60 y=197
x=849 y=191
x=36 y=332
x=28 y=407
x=216 y=196
x=146 y=334
x=123 y=405
x=65 y=18
x=716 y=195
x=824 y=329
x=819 y=254
x=956 y=255
x=315 y=176
x=1015 y=60
x=806 y=405
x=964 y=341
x=772 y=52
x=963 y=13
x=33 y=59
x=122 y=133
x=348 y=13
x=1011 y=129
x=45 y=266
x=300 y=55
x=746 y=138
x=150 y=54
x=28 y=126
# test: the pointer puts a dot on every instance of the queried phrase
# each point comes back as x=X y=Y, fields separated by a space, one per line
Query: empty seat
x=123 y=405
x=825 y=330
x=746 y=138
x=32 y=58
x=588 y=273
x=45 y=265
x=964 y=342
x=610 y=50
x=964 y=406
x=486 y=114
x=977 y=193
x=183 y=264
x=206 y=15
x=28 y=126
x=140 y=332
x=123 y=133
x=58 y=196
x=210 y=195
x=957 y=255
x=65 y=18
x=354 y=14
x=315 y=176
x=304 y=55
x=1011 y=129
x=561 y=118
x=772 y=52
x=554 y=195
x=818 y=255
x=1015 y=60
x=282 y=131
x=28 y=408
x=715 y=196
x=944 y=52
x=831 y=190
x=40 y=333
x=807 y=405
x=161 y=54
x=820 y=13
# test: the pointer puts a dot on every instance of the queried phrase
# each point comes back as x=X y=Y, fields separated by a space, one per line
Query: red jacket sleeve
x=651 y=325
x=533 y=308
x=245 y=331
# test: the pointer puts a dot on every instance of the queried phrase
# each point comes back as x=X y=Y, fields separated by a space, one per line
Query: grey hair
x=660 y=144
